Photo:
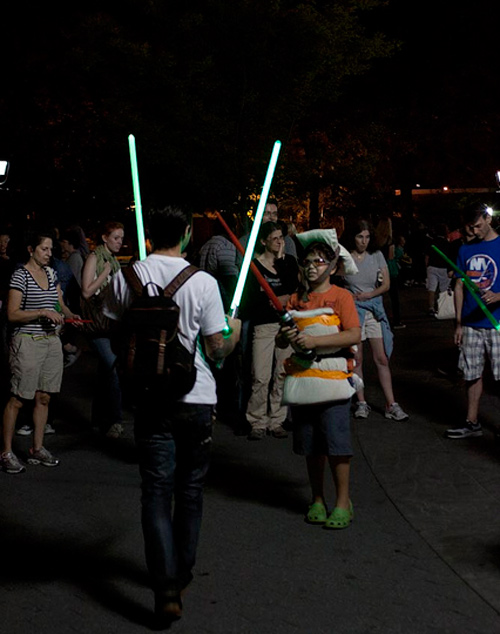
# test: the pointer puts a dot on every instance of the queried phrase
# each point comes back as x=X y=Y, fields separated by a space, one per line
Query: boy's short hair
x=322 y=249
x=473 y=212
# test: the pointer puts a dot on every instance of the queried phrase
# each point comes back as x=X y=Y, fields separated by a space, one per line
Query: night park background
x=367 y=97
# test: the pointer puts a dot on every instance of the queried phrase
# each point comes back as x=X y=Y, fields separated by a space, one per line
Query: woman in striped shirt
x=36 y=312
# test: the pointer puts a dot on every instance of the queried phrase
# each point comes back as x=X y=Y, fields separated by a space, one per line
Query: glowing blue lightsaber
x=252 y=239
x=137 y=197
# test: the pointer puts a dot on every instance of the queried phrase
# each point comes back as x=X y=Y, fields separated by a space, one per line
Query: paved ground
x=422 y=556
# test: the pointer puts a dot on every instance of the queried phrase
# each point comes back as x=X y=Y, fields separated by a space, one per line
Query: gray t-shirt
x=366 y=279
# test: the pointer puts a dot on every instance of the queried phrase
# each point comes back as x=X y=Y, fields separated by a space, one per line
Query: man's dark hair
x=167 y=226
x=473 y=212
x=73 y=237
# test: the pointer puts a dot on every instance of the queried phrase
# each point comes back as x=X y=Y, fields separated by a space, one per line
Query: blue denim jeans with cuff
x=174 y=454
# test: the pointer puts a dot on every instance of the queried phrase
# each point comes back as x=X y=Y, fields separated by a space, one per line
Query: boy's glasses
x=317 y=262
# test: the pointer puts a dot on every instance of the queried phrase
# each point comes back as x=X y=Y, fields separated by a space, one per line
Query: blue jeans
x=107 y=402
x=174 y=455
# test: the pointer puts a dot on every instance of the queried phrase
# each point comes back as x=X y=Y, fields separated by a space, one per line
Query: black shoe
x=256 y=434
x=167 y=609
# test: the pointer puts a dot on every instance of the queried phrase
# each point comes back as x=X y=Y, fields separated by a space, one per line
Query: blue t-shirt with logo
x=480 y=261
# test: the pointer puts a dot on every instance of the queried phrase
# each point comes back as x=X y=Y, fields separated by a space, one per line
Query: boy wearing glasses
x=320 y=392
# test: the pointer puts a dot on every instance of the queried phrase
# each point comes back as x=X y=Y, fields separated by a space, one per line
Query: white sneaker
x=25 y=430
x=362 y=410
x=49 y=429
x=469 y=429
x=10 y=463
x=396 y=413
x=115 y=431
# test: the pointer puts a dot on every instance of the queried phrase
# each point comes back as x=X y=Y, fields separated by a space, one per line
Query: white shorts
x=437 y=279
x=371 y=328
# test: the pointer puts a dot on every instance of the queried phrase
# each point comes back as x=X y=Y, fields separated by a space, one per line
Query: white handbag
x=446 y=305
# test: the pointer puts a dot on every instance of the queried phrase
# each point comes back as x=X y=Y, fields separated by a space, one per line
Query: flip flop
x=340 y=518
x=316 y=513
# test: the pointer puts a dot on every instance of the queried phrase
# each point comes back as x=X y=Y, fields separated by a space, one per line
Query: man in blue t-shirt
x=475 y=334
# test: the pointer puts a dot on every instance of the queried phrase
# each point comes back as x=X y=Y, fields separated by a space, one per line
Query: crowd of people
x=266 y=377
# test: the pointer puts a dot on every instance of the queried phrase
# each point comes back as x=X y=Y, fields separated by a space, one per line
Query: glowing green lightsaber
x=469 y=284
x=137 y=197
x=252 y=239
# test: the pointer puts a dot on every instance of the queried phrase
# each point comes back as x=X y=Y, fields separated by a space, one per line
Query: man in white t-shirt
x=174 y=443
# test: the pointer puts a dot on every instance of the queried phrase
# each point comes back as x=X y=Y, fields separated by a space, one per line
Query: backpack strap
x=180 y=279
x=137 y=287
x=133 y=280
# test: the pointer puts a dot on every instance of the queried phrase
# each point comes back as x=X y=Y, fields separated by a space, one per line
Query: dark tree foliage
x=205 y=86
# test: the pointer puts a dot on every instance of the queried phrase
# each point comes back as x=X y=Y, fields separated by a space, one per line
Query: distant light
x=489 y=211
x=417 y=185
x=445 y=189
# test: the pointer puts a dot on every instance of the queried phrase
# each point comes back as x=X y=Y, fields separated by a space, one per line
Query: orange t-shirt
x=340 y=300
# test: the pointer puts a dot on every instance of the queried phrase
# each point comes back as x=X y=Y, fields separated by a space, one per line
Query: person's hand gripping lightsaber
x=469 y=284
x=285 y=318
x=252 y=239
x=137 y=198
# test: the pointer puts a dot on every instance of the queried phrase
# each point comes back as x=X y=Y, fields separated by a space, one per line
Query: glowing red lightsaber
x=78 y=321
x=260 y=278
x=285 y=317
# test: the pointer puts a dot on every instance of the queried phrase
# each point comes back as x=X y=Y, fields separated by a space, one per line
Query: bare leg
x=316 y=471
x=40 y=414
x=474 y=390
x=383 y=369
x=340 y=466
x=10 y=414
x=432 y=300
x=358 y=369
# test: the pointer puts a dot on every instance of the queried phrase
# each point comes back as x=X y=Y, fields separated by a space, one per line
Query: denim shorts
x=323 y=429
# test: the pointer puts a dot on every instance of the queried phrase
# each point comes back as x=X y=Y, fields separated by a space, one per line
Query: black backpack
x=154 y=361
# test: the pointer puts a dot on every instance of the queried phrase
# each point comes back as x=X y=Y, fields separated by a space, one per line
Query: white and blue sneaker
x=469 y=429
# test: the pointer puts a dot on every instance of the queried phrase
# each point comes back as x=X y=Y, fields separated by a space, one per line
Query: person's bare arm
x=90 y=283
x=16 y=315
x=217 y=347
x=459 y=302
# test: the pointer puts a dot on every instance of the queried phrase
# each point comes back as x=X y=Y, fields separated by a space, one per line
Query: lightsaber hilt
x=308 y=354
x=285 y=318
x=252 y=238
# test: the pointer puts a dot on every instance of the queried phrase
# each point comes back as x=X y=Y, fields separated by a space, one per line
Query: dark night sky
x=442 y=84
